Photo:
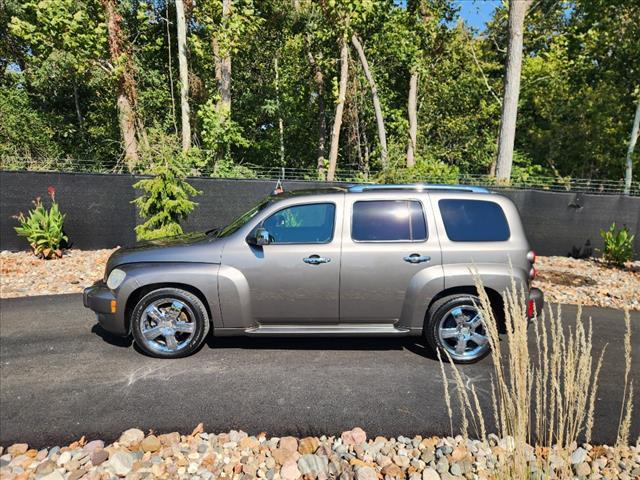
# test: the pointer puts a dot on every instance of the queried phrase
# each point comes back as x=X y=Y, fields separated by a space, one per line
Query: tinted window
x=474 y=221
x=388 y=220
x=302 y=224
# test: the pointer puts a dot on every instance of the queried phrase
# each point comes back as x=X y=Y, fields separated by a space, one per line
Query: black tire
x=197 y=313
x=434 y=318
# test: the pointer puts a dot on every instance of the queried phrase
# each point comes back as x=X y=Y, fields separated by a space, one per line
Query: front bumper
x=535 y=303
x=98 y=297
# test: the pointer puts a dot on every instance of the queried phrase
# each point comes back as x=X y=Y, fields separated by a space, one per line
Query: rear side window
x=388 y=221
x=474 y=221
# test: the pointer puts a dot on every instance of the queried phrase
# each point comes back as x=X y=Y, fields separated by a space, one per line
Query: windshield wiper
x=212 y=231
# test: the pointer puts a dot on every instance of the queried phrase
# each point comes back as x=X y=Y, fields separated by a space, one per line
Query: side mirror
x=259 y=237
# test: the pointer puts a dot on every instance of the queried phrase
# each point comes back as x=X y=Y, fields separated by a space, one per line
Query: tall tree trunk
x=628 y=174
x=126 y=118
x=76 y=102
x=337 y=121
x=127 y=90
x=318 y=79
x=382 y=136
x=225 y=69
x=280 y=121
x=170 y=70
x=412 y=108
x=506 y=139
x=184 y=75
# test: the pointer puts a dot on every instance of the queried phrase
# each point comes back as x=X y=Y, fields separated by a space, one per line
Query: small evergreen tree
x=167 y=195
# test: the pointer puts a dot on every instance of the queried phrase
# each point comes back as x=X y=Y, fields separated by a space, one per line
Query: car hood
x=192 y=247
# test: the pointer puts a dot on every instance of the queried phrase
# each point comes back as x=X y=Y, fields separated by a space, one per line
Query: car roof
x=364 y=188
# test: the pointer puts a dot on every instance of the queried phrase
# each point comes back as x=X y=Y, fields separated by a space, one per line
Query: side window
x=474 y=221
x=388 y=221
x=311 y=223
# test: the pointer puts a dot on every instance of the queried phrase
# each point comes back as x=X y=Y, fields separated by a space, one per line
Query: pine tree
x=167 y=197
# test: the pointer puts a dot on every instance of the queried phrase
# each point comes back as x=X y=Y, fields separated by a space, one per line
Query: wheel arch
x=136 y=295
x=495 y=298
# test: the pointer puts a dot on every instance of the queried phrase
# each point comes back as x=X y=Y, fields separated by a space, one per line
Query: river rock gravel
x=239 y=456
x=22 y=274
x=589 y=282
x=563 y=280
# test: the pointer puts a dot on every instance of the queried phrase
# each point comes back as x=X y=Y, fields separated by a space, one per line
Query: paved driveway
x=61 y=377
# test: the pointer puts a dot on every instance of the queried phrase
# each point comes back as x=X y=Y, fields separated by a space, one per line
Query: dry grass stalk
x=624 y=423
x=557 y=382
x=447 y=397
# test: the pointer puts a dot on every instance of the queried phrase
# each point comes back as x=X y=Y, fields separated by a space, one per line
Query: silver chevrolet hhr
x=367 y=260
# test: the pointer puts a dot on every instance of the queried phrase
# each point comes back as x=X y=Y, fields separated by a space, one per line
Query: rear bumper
x=535 y=303
x=98 y=297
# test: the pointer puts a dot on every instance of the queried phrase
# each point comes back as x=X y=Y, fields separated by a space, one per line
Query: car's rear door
x=387 y=242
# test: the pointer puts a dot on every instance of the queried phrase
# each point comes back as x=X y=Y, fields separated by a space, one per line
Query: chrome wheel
x=462 y=333
x=167 y=325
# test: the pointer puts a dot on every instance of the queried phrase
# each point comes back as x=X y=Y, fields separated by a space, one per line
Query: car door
x=293 y=280
x=386 y=244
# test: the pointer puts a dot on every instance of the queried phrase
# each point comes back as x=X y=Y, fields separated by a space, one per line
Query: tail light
x=531 y=256
x=531 y=308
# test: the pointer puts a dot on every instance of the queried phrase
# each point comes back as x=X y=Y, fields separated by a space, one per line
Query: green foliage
x=43 y=228
x=226 y=168
x=426 y=170
x=166 y=200
x=578 y=92
x=25 y=132
x=618 y=245
x=219 y=132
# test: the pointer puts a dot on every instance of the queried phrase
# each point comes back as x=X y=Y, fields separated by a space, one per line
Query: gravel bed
x=22 y=274
x=589 y=282
x=563 y=280
x=351 y=456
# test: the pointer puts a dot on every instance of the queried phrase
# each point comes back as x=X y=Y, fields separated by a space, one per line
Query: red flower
x=52 y=192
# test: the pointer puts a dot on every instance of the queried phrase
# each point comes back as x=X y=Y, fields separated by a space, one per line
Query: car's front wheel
x=455 y=325
x=169 y=323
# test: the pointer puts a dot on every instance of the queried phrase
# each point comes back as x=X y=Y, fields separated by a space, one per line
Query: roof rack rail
x=417 y=186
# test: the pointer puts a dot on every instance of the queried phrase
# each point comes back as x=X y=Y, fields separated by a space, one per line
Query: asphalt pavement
x=62 y=376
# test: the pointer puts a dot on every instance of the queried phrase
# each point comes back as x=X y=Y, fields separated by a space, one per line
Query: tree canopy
x=87 y=82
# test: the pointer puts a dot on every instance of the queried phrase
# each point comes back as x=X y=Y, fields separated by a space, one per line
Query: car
x=364 y=260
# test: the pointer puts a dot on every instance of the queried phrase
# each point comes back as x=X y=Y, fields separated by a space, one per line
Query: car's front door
x=294 y=279
x=386 y=245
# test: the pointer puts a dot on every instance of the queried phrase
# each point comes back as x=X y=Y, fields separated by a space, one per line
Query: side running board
x=347 y=330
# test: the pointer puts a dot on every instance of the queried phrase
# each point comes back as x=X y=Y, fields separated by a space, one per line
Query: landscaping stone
x=131 y=437
x=210 y=457
x=151 y=444
x=290 y=471
x=121 y=462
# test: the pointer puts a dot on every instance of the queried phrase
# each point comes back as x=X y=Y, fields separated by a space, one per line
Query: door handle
x=415 y=258
x=316 y=260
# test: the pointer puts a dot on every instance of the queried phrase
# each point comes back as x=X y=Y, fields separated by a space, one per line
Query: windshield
x=244 y=218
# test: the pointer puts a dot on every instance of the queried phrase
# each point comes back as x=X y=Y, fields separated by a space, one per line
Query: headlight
x=116 y=277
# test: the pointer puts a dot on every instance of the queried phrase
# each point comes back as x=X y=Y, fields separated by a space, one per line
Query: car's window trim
x=326 y=202
x=411 y=199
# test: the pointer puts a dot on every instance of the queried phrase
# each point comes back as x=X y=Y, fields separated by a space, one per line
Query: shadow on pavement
x=415 y=345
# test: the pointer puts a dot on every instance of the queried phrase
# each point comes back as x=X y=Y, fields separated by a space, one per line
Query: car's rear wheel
x=169 y=323
x=455 y=325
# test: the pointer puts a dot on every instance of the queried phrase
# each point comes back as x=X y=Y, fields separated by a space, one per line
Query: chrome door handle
x=415 y=258
x=316 y=260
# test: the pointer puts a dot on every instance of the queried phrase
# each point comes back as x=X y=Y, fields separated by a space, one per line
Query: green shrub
x=44 y=228
x=618 y=245
x=167 y=195
x=424 y=171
